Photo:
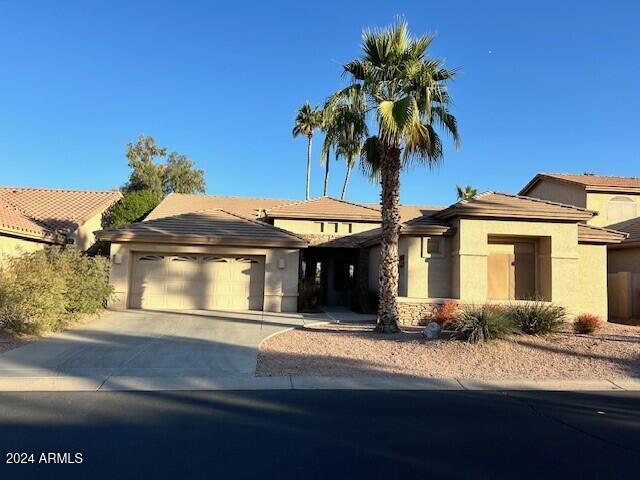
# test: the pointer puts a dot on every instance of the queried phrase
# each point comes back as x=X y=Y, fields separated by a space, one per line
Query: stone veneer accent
x=418 y=311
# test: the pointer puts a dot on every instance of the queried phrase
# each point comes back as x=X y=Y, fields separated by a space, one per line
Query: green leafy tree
x=308 y=120
x=465 y=193
x=132 y=207
x=406 y=92
x=178 y=174
x=181 y=176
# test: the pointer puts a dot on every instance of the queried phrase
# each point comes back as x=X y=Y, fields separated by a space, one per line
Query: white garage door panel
x=197 y=282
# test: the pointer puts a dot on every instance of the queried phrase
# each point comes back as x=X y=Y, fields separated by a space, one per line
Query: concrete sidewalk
x=87 y=383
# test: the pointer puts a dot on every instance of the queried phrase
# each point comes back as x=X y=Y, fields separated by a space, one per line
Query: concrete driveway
x=141 y=349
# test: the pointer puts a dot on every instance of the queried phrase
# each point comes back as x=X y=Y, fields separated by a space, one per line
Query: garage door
x=210 y=282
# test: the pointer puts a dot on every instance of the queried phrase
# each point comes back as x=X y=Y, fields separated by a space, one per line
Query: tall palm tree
x=405 y=90
x=308 y=119
x=345 y=131
x=465 y=193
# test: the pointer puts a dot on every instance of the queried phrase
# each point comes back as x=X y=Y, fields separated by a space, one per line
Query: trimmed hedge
x=46 y=290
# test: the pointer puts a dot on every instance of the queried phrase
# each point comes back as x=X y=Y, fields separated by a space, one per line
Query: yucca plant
x=481 y=323
x=537 y=317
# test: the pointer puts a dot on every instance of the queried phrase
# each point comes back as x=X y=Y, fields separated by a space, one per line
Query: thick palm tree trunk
x=308 y=192
x=346 y=181
x=388 y=283
x=326 y=175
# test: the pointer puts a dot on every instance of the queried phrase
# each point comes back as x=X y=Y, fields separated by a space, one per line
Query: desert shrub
x=308 y=296
x=445 y=313
x=480 y=323
x=86 y=279
x=537 y=317
x=46 y=290
x=32 y=296
x=586 y=323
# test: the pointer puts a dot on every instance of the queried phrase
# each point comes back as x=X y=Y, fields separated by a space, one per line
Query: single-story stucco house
x=32 y=218
x=215 y=252
x=617 y=202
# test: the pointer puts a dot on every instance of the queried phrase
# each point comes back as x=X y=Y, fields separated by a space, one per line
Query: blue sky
x=543 y=86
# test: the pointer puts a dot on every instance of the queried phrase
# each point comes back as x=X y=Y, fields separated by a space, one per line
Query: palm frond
x=370 y=160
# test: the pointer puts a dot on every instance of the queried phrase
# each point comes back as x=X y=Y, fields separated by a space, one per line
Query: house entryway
x=334 y=271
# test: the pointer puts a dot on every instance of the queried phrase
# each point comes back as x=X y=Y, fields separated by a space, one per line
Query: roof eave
x=46 y=238
x=452 y=212
x=118 y=237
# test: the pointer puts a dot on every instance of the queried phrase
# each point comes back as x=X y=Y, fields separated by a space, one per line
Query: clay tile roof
x=178 y=203
x=15 y=222
x=61 y=210
x=590 y=182
x=209 y=227
x=502 y=205
x=325 y=208
x=591 y=234
x=632 y=229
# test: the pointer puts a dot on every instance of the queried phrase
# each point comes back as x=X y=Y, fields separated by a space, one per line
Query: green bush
x=480 y=323
x=536 y=317
x=46 y=290
x=132 y=207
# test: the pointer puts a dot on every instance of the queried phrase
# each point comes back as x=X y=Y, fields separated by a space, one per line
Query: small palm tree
x=406 y=91
x=465 y=193
x=308 y=119
x=345 y=132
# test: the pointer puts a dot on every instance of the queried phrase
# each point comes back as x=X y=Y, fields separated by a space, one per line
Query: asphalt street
x=320 y=434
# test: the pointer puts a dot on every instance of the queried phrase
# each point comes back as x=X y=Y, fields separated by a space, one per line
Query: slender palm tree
x=405 y=90
x=345 y=132
x=465 y=193
x=308 y=119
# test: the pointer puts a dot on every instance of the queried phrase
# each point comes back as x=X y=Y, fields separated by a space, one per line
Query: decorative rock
x=432 y=331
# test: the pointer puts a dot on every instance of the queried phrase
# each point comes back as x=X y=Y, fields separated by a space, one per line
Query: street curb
x=293 y=382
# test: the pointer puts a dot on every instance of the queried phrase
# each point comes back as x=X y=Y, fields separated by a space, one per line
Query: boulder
x=432 y=331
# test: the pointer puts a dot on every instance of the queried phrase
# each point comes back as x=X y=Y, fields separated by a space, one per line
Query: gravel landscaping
x=345 y=350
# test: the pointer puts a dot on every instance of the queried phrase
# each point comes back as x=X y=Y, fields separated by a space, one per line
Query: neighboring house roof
x=632 y=229
x=593 y=183
x=598 y=235
x=502 y=205
x=325 y=208
x=248 y=207
x=210 y=227
x=14 y=222
x=55 y=209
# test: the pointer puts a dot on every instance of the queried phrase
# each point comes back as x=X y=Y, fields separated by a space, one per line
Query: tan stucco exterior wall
x=599 y=201
x=592 y=280
x=559 y=192
x=559 y=279
x=425 y=276
x=12 y=246
x=313 y=226
x=569 y=274
x=280 y=286
x=83 y=237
